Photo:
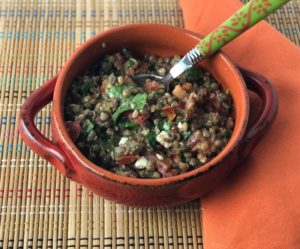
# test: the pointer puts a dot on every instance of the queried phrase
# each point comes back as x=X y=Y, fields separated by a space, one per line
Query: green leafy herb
x=164 y=125
x=130 y=63
x=186 y=134
x=115 y=91
x=139 y=100
x=127 y=124
x=89 y=126
x=151 y=138
x=120 y=110
x=136 y=102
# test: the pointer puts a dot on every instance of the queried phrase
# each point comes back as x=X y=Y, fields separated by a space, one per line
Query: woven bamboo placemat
x=38 y=207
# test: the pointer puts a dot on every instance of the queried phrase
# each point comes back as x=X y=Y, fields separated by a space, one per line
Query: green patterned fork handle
x=243 y=19
x=246 y=17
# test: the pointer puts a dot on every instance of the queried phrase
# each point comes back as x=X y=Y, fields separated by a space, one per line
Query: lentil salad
x=147 y=132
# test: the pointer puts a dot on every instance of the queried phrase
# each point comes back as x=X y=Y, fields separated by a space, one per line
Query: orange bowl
x=161 y=40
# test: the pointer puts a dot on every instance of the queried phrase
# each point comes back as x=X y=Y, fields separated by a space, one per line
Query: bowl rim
x=65 y=142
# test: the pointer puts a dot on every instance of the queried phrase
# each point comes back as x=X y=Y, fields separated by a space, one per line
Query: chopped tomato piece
x=163 y=166
x=127 y=159
x=176 y=158
x=169 y=111
x=194 y=139
x=190 y=104
x=119 y=61
x=174 y=130
x=102 y=88
x=182 y=105
x=140 y=119
x=152 y=85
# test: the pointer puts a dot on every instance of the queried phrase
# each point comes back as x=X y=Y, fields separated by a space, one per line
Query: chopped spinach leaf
x=89 y=126
x=139 y=100
x=166 y=126
x=186 y=134
x=136 y=102
x=127 y=124
x=130 y=63
x=115 y=91
x=151 y=138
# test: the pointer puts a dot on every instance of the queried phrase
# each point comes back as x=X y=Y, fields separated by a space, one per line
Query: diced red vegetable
x=102 y=88
x=127 y=159
x=163 y=166
x=176 y=158
x=194 y=139
x=73 y=129
x=119 y=61
x=140 y=119
x=169 y=111
x=152 y=85
x=190 y=104
x=182 y=105
x=174 y=130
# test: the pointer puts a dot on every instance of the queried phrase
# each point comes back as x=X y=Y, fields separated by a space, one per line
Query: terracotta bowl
x=160 y=40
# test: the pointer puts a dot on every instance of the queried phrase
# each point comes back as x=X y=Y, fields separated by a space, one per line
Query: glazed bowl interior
x=160 y=40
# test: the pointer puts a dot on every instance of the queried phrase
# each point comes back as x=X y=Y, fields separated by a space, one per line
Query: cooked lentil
x=147 y=132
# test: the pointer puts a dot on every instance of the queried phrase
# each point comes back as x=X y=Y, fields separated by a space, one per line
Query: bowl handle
x=259 y=85
x=33 y=137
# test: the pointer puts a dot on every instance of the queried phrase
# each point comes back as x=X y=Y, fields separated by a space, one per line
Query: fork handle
x=246 y=17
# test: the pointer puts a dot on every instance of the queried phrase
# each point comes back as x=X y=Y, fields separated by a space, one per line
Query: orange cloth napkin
x=258 y=206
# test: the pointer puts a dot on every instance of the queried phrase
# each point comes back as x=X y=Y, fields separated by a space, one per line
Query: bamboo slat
x=38 y=207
